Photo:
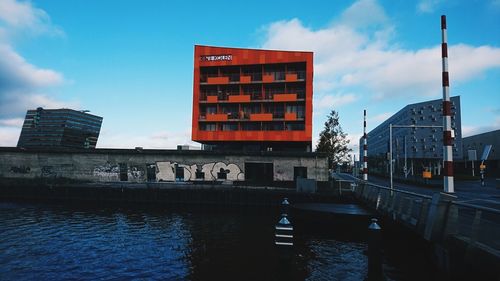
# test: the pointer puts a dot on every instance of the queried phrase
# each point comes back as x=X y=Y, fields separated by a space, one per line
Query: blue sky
x=131 y=62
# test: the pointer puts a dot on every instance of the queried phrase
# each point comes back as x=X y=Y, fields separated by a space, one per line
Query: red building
x=246 y=99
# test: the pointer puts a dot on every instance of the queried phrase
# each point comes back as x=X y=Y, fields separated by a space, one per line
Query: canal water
x=61 y=242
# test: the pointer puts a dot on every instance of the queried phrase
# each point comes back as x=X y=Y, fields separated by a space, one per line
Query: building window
x=295 y=126
x=229 y=127
x=208 y=127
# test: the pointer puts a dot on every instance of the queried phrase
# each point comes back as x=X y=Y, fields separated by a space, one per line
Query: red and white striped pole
x=447 y=130
x=365 y=150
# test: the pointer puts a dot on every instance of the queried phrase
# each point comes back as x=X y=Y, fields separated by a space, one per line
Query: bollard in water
x=375 y=271
x=285 y=205
x=283 y=232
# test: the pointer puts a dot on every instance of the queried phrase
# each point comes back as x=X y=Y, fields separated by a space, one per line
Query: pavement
x=466 y=191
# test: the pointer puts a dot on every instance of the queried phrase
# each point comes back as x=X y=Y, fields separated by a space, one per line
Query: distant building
x=59 y=128
x=420 y=148
x=474 y=146
x=252 y=100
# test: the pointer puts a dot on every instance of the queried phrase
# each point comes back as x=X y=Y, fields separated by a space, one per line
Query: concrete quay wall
x=157 y=194
x=144 y=165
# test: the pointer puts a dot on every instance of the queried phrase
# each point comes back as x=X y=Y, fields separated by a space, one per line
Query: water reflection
x=50 y=242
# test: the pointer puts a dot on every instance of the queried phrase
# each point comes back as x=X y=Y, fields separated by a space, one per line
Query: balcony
x=212 y=99
x=261 y=117
x=290 y=116
x=267 y=78
x=218 y=80
x=239 y=98
x=291 y=77
x=216 y=117
x=285 y=97
x=245 y=79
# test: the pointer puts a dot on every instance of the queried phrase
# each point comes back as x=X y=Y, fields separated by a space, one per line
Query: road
x=466 y=191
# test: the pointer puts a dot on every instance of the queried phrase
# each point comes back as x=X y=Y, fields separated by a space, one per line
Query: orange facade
x=252 y=95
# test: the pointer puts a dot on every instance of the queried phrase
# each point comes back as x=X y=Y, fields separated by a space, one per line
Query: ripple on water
x=48 y=242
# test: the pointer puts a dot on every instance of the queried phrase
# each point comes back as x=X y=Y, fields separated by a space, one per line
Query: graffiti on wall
x=135 y=173
x=47 y=171
x=170 y=171
x=20 y=169
x=107 y=171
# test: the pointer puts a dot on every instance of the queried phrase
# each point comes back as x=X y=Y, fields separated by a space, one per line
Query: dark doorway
x=151 y=172
x=123 y=172
x=299 y=172
x=261 y=173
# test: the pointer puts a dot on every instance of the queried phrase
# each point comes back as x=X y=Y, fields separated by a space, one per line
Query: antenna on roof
x=85 y=110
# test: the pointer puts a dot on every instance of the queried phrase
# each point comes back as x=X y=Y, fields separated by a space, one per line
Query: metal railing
x=478 y=225
x=433 y=217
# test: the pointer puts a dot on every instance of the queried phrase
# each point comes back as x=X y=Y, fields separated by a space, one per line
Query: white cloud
x=378 y=118
x=364 y=13
x=428 y=6
x=470 y=130
x=157 y=140
x=23 y=85
x=349 y=55
x=14 y=122
x=9 y=135
x=354 y=141
x=16 y=72
x=334 y=101
x=24 y=16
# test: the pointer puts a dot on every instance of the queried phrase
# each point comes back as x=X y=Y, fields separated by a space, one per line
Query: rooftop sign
x=217 y=58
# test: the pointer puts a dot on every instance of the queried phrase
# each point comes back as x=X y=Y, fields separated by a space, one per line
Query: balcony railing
x=249 y=77
x=261 y=117
x=216 y=117
x=285 y=97
x=239 y=98
x=274 y=96
x=246 y=116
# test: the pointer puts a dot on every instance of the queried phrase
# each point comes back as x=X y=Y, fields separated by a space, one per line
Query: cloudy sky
x=131 y=62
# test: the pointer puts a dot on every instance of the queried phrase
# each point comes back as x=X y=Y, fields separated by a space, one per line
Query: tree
x=333 y=141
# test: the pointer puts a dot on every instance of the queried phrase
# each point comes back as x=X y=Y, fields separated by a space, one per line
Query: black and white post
x=283 y=232
x=365 y=150
x=375 y=267
x=447 y=130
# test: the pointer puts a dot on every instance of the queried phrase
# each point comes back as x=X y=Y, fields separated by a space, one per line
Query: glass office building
x=61 y=128
x=419 y=147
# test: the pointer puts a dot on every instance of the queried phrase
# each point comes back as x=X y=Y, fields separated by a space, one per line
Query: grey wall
x=103 y=166
x=478 y=142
